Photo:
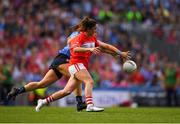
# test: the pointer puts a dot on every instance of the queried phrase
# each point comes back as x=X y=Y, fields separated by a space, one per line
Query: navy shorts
x=58 y=60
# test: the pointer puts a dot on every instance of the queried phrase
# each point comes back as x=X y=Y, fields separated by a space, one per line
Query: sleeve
x=72 y=35
x=96 y=42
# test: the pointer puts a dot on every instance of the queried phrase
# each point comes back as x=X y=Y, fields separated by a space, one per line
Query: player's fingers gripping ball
x=129 y=66
x=126 y=55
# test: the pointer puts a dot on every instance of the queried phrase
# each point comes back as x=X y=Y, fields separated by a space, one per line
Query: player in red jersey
x=81 y=47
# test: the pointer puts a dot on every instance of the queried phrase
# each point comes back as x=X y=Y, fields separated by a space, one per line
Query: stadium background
x=32 y=32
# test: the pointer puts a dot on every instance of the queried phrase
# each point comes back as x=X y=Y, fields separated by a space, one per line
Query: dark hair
x=72 y=29
x=86 y=23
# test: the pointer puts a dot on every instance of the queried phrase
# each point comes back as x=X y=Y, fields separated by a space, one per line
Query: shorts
x=76 y=68
x=58 y=60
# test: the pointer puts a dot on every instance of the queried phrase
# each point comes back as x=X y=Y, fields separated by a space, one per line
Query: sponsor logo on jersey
x=88 y=45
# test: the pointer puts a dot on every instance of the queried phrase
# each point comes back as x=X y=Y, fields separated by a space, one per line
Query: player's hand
x=95 y=50
x=126 y=55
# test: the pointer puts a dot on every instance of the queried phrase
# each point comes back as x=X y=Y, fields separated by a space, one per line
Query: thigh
x=83 y=76
x=63 y=68
x=60 y=65
x=71 y=84
x=58 y=60
x=49 y=78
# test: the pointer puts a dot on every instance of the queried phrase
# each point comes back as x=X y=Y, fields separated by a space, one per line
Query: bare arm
x=95 y=50
x=109 y=49
x=81 y=49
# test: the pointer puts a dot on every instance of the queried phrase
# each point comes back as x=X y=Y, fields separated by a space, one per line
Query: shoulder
x=67 y=46
x=82 y=34
x=73 y=34
x=94 y=36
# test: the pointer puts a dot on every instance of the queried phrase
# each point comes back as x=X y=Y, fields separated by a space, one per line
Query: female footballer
x=81 y=48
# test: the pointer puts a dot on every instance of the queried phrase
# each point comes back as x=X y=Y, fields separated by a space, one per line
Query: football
x=129 y=66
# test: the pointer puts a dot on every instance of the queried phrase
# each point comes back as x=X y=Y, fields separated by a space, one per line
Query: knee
x=90 y=82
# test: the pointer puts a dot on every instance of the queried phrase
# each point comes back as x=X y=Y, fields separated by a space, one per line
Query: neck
x=87 y=34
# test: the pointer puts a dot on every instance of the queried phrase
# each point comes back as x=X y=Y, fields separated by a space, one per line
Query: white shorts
x=76 y=68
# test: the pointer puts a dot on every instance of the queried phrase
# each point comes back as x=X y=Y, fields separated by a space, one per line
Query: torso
x=82 y=41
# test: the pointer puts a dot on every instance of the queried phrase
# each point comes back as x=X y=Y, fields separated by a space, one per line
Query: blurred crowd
x=32 y=32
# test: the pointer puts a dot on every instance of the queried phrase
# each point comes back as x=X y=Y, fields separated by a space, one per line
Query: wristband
x=119 y=52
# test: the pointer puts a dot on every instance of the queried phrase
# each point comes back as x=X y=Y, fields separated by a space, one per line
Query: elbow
x=102 y=49
x=76 y=49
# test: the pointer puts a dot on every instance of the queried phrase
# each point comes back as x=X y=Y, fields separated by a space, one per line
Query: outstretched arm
x=109 y=49
x=93 y=50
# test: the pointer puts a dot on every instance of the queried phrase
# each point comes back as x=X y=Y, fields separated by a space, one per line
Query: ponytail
x=72 y=29
x=85 y=24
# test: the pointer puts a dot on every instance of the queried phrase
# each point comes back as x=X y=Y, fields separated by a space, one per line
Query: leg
x=78 y=93
x=48 y=79
x=84 y=76
x=1 y=93
x=175 y=98
x=70 y=86
x=78 y=90
x=168 y=97
x=63 y=68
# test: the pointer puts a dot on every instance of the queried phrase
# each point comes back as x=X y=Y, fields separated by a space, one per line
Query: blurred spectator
x=159 y=32
x=2 y=79
x=170 y=84
x=172 y=37
x=94 y=70
x=147 y=72
x=137 y=78
x=105 y=14
x=124 y=82
x=6 y=80
x=134 y=15
x=178 y=77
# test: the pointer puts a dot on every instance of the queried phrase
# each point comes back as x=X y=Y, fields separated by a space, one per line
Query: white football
x=129 y=66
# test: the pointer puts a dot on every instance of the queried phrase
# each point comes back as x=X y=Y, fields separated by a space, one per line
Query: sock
x=79 y=99
x=48 y=100
x=21 y=90
x=89 y=100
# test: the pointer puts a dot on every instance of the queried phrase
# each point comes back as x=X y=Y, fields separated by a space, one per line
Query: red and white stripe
x=77 y=67
x=49 y=99
x=89 y=100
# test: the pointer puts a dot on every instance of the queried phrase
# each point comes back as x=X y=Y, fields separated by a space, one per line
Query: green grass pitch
x=70 y=115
